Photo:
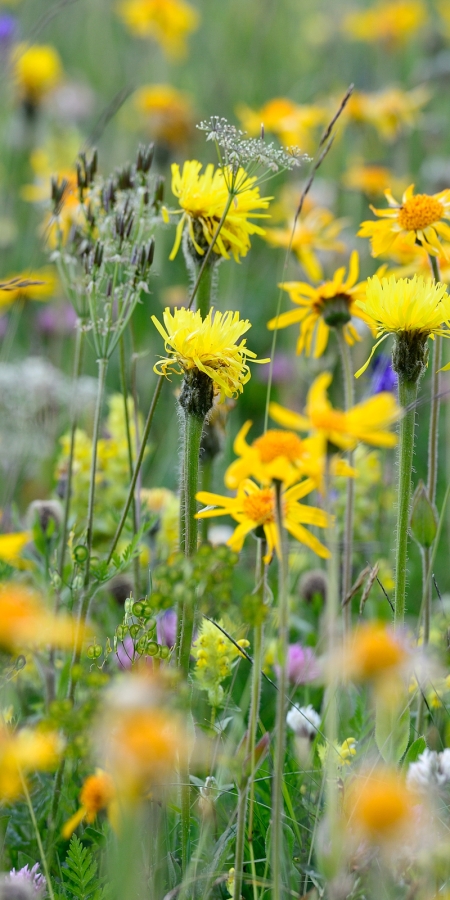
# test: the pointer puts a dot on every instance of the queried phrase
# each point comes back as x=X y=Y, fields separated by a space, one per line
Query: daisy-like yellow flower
x=390 y=111
x=331 y=304
x=292 y=123
x=37 y=70
x=371 y=180
x=315 y=231
x=37 y=285
x=23 y=752
x=168 y=22
x=203 y=199
x=254 y=507
x=418 y=218
x=392 y=23
x=209 y=345
x=368 y=421
x=98 y=792
x=417 y=307
x=168 y=112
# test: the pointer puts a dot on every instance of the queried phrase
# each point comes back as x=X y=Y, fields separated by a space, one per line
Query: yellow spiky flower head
x=417 y=219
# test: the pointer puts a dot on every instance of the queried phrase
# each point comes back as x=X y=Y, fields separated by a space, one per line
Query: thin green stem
x=38 y=837
x=407 y=393
x=331 y=638
x=77 y=363
x=280 y=717
x=193 y=428
x=102 y=368
x=207 y=471
x=240 y=840
x=350 y=500
x=210 y=249
x=204 y=290
x=123 y=382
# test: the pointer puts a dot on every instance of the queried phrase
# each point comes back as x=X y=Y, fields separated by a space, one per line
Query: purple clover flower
x=31 y=877
x=302 y=665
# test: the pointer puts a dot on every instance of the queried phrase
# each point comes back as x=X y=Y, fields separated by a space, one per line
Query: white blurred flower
x=431 y=770
x=305 y=721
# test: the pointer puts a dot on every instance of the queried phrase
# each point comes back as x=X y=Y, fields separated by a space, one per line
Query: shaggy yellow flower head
x=23 y=752
x=393 y=23
x=168 y=22
x=37 y=70
x=368 y=421
x=254 y=507
x=203 y=198
x=406 y=305
x=98 y=792
x=379 y=807
x=331 y=304
x=209 y=345
x=293 y=124
x=316 y=230
x=417 y=219
x=167 y=111
x=390 y=111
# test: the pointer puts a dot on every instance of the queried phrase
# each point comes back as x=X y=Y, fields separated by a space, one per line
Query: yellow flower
x=331 y=304
x=37 y=70
x=23 y=752
x=375 y=653
x=347 y=750
x=389 y=111
x=214 y=655
x=25 y=621
x=367 y=421
x=168 y=22
x=371 y=180
x=97 y=793
x=209 y=345
x=167 y=110
x=316 y=230
x=144 y=749
x=203 y=199
x=254 y=507
x=414 y=306
x=37 y=285
x=417 y=219
x=11 y=546
x=393 y=23
x=293 y=124
x=379 y=807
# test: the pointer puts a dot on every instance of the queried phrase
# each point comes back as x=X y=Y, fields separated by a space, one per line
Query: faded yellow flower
x=292 y=123
x=371 y=180
x=168 y=22
x=25 y=621
x=98 y=792
x=316 y=230
x=392 y=22
x=389 y=111
x=36 y=70
x=167 y=111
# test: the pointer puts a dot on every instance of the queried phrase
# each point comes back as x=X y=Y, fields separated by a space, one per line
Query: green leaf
x=392 y=728
x=414 y=750
x=80 y=872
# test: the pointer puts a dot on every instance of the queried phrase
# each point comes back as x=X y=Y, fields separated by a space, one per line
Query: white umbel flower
x=305 y=721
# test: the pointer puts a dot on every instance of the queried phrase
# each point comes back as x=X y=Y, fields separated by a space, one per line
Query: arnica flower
x=24 y=752
x=208 y=345
x=413 y=309
x=168 y=22
x=418 y=219
x=254 y=508
x=393 y=23
x=26 y=621
x=167 y=111
x=214 y=655
x=37 y=70
x=315 y=231
x=378 y=807
x=293 y=124
x=97 y=793
x=330 y=305
x=390 y=111
x=368 y=421
x=203 y=198
x=371 y=180
x=37 y=285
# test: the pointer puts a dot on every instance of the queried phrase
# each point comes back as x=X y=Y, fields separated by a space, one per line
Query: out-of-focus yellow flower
x=11 y=546
x=24 y=752
x=293 y=124
x=26 y=621
x=203 y=199
x=166 y=505
x=70 y=210
x=344 y=753
x=329 y=305
x=347 y=750
x=255 y=507
x=315 y=231
x=368 y=421
x=371 y=180
x=209 y=345
x=393 y=22
x=417 y=218
x=168 y=22
x=389 y=111
x=37 y=285
x=37 y=70
x=379 y=807
x=98 y=792
x=444 y=12
x=144 y=748
x=214 y=655
x=375 y=652
x=410 y=259
x=167 y=111
x=414 y=306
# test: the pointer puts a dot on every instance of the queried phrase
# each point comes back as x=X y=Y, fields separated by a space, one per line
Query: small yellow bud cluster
x=214 y=655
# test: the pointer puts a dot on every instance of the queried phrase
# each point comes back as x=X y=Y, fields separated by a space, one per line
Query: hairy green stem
x=350 y=499
x=77 y=364
x=407 y=394
x=280 y=718
x=193 y=428
x=331 y=638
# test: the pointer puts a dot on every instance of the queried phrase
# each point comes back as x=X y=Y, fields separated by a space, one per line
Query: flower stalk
x=407 y=393
x=349 y=394
x=280 y=716
x=79 y=343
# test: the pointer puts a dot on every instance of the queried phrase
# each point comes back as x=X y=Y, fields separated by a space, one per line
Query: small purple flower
x=57 y=319
x=383 y=375
x=302 y=666
x=32 y=877
x=283 y=371
x=166 y=629
x=8 y=27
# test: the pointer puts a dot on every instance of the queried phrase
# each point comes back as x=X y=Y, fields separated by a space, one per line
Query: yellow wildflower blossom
x=26 y=621
x=37 y=70
x=168 y=22
x=375 y=653
x=418 y=218
x=167 y=111
x=37 y=285
x=379 y=807
x=330 y=304
x=372 y=180
x=292 y=123
x=253 y=507
x=98 y=792
x=203 y=199
x=11 y=546
x=214 y=655
x=23 y=752
x=415 y=306
x=209 y=345
x=316 y=230
x=389 y=111
x=392 y=22
x=368 y=421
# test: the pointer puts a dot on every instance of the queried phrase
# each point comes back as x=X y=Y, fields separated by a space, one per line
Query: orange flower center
x=382 y=807
x=260 y=507
x=375 y=652
x=419 y=212
x=276 y=443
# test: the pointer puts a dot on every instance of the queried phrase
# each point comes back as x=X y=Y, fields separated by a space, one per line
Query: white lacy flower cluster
x=432 y=770
x=305 y=721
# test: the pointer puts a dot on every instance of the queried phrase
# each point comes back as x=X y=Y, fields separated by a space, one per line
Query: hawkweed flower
x=316 y=231
x=168 y=22
x=23 y=752
x=413 y=309
x=418 y=219
x=254 y=508
x=292 y=123
x=208 y=346
x=214 y=655
x=98 y=793
x=166 y=111
x=389 y=111
x=392 y=22
x=368 y=421
x=203 y=198
x=36 y=70
x=330 y=305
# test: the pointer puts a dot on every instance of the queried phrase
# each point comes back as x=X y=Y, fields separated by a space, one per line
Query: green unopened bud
x=336 y=311
x=423 y=522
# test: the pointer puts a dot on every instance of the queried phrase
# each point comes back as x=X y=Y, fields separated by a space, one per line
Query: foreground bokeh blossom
x=418 y=218
x=379 y=807
x=168 y=22
x=203 y=198
x=207 y=345
x=22 y=753
x=26 y=621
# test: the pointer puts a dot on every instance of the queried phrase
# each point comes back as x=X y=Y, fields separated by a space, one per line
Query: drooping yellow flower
x=389 y=111
x=379 y=807
x=25 y=621
x=368 y=421
x=292 y=123
x=372 y=180
x=203 y=199
x=168 y=22
x=23 y=752
x=331 y=304
x=98 y=792
x=417 y=218
x=37 y=285
x=209 y=345
x=414 y=306
x=315 y=231
x=254 y=507
x=37 y=70
x=392 y=22
x=168 y=112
